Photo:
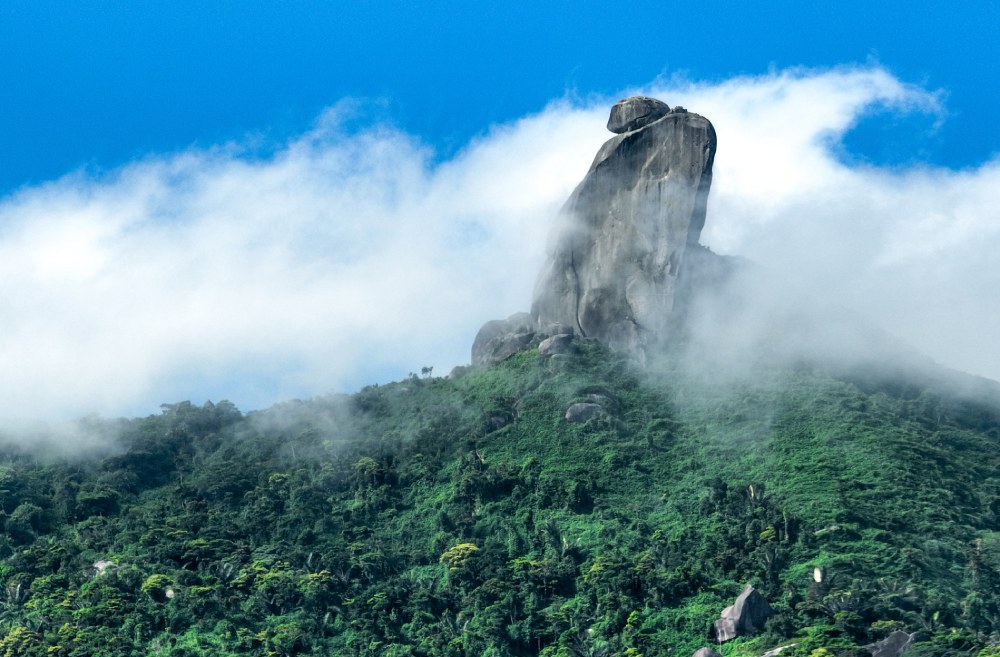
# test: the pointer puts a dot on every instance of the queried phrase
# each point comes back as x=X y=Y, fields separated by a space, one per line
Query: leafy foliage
x=466 y=516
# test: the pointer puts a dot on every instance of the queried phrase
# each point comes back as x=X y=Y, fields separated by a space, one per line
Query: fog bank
x=351 y=256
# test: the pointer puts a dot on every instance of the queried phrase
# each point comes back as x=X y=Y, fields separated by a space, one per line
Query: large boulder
x=617 y=270
x=745 y=617
x=895 y=644
x=556 y=344
x=499 y=339
x=705 y=652
x=636 y=112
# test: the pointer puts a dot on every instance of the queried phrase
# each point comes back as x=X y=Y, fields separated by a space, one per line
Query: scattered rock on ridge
x=605 y=402
x=617 y=270
x=745 y=617
x=705 y=652
x=895 y=644
x=500 y=339
x=636 y=112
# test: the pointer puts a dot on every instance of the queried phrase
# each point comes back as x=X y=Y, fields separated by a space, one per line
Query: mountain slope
x=467 y=516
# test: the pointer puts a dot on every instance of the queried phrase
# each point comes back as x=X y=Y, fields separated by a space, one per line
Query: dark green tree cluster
x=465 y=516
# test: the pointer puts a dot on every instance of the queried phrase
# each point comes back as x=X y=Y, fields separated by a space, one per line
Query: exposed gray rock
x=895 y=644
x=583 y=411
x=724 y=630
x=636 y=112
x=556 y=344
x=777 y=651
x=616 y=272
x=745 y=617
x=499 y=339
x=705 y=652
x=557 y=329
x=608 y=403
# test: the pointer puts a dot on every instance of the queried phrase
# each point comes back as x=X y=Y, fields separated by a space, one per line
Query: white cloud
x=341 y=260
x=910 y=248
x=350 y=258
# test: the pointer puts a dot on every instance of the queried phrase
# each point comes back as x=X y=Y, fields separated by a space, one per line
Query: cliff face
x=618 y=270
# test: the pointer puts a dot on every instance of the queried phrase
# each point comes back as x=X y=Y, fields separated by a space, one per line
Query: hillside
x=466 y=516
x=663 y=431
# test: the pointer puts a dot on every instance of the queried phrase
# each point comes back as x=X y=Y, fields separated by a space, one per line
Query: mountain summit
x=627 y=245
x=616 y=271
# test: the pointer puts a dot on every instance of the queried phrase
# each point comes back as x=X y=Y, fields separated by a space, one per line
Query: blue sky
x=98 y=83
x=259 y=201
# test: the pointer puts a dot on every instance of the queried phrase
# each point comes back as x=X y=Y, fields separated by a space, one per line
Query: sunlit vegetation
x=465 y=516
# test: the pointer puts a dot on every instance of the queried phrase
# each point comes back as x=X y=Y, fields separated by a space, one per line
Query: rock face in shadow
x=618 y=270
x=745 y=617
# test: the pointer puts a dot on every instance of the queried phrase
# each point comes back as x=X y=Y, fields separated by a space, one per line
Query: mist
x=352 y=256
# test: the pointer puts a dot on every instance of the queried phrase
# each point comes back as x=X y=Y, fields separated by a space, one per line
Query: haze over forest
x=351 y=256
x=181 y=219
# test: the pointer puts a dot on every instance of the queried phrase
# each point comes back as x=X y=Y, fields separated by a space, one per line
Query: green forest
x=464 y=516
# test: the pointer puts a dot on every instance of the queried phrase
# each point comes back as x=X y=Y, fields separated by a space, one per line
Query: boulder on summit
x=635 y=112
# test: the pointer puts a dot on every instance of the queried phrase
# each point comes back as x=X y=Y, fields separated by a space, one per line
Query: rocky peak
x=618 y=270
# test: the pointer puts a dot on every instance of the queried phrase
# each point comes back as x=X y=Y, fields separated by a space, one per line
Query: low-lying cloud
x=350 y=257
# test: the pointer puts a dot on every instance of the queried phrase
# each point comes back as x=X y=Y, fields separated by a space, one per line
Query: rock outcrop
x=895 y=644
x=500 y=339
x=617 y=271
x=745 y=617
x=635 y=112
x=705 y=652
x=556 y=344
